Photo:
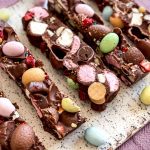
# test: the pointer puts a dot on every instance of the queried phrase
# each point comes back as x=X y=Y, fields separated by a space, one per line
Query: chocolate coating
x=22 y=138
x=86 y=53
x=98 y=31
x=133 y=55
x=69 y=118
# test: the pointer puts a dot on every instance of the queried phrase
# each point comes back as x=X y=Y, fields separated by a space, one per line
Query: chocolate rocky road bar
x=83 y=68
x=59 y=114
x=15 y=133
x=133 y=19
x=127 y=61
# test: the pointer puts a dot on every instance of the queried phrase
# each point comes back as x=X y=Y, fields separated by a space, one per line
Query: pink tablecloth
x=140 y=141
x=7 y=3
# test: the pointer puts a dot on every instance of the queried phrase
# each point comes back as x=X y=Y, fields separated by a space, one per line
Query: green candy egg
x=72 y=84
x=107 y=12
x=109 y=42
x=96 y=136
x=145 y=96
x=4 y=14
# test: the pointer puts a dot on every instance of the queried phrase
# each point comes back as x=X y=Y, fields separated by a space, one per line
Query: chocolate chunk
x=133 y=55
x=85 y=53
x=98 y=31
x=6 y=130
x=69 y=118
x=86 y=74
x=40 y=100
x=51 y=114
x=54 y=94
x=16 y=71
x=144 y=47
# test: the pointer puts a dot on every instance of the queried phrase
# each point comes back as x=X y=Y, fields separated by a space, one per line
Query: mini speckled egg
x=6 y=107
x=69 y=105
x=96 y=136
x=145 y=96
x=33 y=75
x=13 y=49
x=84 y=9
x=107 y=12
x=72 y=84
x=4 y=14
x=116 y=21
x=109 y=42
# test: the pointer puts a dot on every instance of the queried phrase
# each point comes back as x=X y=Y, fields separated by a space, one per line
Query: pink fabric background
x=141 y=140
x=7 y=3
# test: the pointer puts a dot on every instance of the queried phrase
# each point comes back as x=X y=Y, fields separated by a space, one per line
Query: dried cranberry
x=145 y=64
x=28 y=16
x=87 y=22
x=83 y=95
x=30 y=61
x=124 y=49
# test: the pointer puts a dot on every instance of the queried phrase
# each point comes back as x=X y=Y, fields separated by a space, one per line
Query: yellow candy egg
x=33 y=75
x=145 y=95
x=4 y=14
x=116 y=21
x=69 y=105
x=142 y=9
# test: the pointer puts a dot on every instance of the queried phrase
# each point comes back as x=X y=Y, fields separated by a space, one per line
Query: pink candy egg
x=13 y=49
x=39 y=12
x=84 y=9
x=6 y=107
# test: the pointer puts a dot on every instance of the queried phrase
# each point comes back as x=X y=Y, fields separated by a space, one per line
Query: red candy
x=87 y=22
x=124 y=49
x=28 y=16
x=30 y=61
x=145 y=65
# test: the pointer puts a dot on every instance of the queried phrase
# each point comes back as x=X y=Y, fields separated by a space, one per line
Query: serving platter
x=124 y=116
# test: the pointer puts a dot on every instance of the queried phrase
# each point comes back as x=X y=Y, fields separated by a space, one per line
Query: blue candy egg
x=96 y=136
x=107 y=12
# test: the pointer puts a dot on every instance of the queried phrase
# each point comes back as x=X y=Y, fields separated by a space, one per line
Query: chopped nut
x=73 y=125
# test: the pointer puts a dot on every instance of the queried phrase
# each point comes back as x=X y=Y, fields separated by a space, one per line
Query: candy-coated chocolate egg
x=116 y=21
x=72 y=84
x=6 y=107
x=33 y=75
x=23 y=138
x=4 y=14
x=96 y=136
x=107 y=12
x=142 y=9
x=13 y=49
x=84 y=9
x=109 y=42
x=69 y=105
x=145 y=96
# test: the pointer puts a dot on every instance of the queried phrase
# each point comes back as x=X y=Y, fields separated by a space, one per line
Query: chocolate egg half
x=22 y=138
